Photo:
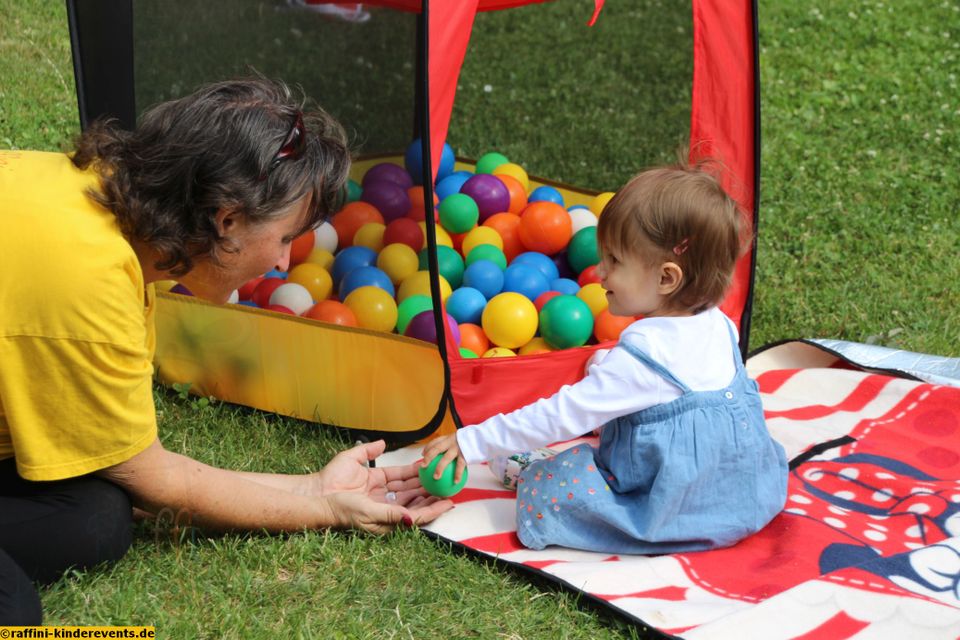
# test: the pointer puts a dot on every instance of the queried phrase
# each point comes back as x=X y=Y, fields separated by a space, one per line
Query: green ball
x=353 y=190
x=566 y=321
x=487 y=252
x=410 y=307
x=445 y=486
x=467 y=353
x=488 y=162
x=448 y=261
x=459 y=213
x=582 y=251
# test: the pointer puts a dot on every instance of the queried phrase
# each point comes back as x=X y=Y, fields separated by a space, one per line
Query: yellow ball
x=374 y=308
x=370 y=235
x=443 y=238
x=595 y=296
x=509 y=320
x=321 y=257
x=478 y=236
x=514 y=170
x=313 y=278
x=418 y=283
x=537 y=345
x=599 y=202
x=164 y=285
x=398 y=261
x=498 y=352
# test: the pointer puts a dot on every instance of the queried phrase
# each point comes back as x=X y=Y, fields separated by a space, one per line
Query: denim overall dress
x=698 y=472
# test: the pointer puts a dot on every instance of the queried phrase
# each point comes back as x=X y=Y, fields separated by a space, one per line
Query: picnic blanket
x=867 y=546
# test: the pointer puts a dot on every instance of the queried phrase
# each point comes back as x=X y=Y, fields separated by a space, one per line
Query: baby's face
x=633 y=284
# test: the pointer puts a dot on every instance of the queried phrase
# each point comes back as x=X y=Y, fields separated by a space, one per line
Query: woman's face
x=251 y=251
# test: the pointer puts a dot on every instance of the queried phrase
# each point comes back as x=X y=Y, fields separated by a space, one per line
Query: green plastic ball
x=411 y=306
x=449 y=263
x=353 y=190
x=487 y=252
x=445 y=486
x=467 y=353
x=582 y=251
x=459 y=213
x=566 y=321
x=488 y=162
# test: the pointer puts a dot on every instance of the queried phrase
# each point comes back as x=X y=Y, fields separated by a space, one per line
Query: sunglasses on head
x=292 y=146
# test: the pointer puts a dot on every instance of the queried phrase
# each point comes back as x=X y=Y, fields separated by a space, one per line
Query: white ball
x=582 y=218
x=293 y=296
x=326 y=237
x=234 y=297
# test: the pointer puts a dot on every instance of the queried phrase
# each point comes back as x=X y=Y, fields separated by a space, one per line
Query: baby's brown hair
x=680 y=214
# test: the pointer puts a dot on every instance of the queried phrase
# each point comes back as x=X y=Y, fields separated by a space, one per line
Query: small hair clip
x=683 y=246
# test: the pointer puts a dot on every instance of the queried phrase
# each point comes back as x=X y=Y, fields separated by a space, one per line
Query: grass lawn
x=859 y=239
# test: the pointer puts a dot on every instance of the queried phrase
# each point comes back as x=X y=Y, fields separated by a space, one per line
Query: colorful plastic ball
x=263 y=291
x=442 y=237
x=565 y=286
x=398 y=261
x=563 y=265
x=351 y=217
x=444 y=487
x=582 y=252
x=499 y=352
x=535 y=346
x=540 y=261
x=566 y=321
x=509 y=320
x=484 y=276
x=349 y=259
x=375 y=308
x=418 y=211
x=478 y=236
x=466 y=305
x=488 y=162
x=301 y=247
x=181 y=290
x=389 y=198
x=595 y=296
x=451 y=184
x=248 y=303
x=413 y=161
x=458 y=213
x=353 y=190
x=608 y=327
x=545 y=227
x=598 y=204
x=472 y=337
x=543 y=298
x=507 y=225
x=449 y=263
x=404 y=231
x=325 y=237
x=518 y=195
x=516 y=172
x=389 y=172
x=245 y=292
x=279 y=308
x=276 y=273
x=314 y=278
x=582 y=218
x=423 y=326
x=467 y=353
x=546 y=193
x=419 y=284
x=487 y=252
x=588 y=275
x=321 y=257
x=411 y=306
x=293 y=296
x=526 y=280
x=333 y=312
x=489 y=192
x=370 y=235
x=368 y=276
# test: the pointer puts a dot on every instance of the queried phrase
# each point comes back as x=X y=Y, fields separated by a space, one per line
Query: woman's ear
x=671 y=277
x=226 y=221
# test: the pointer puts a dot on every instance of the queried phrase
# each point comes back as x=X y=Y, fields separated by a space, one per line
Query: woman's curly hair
x=189 y=158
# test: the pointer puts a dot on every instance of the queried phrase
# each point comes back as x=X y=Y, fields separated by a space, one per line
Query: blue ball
x=413 y=161
x=350 y=259
x=545 y=193
x=248 y=303
x=363 y=277
x=566 y=286
x=466 y=305
x=526 y=280
x=484 y=276
x=542 y=262
x=451 y=184
x=276 y=273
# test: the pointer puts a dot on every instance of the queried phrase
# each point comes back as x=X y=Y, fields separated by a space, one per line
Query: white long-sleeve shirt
x=696 y=349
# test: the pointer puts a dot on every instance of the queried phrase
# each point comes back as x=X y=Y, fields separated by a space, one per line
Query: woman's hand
x=447 y=447
x=350 y=472
x=357 y=511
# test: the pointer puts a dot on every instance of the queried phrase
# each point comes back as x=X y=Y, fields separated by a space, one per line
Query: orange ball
x=607 y=327
x=508 y=226
x=301 y=247
x=417 y=211
x=354 y=215
x=518 y=195
x=333 y=312
x=472 y=337
x=545 y=227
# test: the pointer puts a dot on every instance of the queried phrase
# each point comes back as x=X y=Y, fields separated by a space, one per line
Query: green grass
x=859 y=240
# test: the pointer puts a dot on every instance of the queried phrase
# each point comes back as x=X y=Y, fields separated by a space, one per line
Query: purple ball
x=422 y=327
x=389 y=198
x=563 y=266
x=182 y=290
x=388 y=172
x=489 y=192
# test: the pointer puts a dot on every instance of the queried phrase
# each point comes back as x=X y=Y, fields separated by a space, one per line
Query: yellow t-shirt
x=76 y=325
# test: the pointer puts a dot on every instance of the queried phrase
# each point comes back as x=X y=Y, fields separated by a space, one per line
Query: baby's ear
x=671 y=277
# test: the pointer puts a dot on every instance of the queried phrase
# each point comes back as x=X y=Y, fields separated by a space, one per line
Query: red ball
x=405 y=231
x=333 y=312
x=263 y=291
x=587 y=276
x=543 y=298
x=417 y=210
x=545 y=227
x=246 y=291
x=518 y=195
x=301 y=247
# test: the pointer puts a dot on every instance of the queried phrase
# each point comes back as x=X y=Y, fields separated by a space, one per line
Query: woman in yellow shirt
x=209 y=190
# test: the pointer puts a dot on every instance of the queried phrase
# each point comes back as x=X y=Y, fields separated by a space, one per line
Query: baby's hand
x=447 y=447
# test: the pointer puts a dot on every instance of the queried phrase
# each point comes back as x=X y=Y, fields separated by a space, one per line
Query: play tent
x=130 y=54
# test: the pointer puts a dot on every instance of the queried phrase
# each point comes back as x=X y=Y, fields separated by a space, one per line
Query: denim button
x=729 y=395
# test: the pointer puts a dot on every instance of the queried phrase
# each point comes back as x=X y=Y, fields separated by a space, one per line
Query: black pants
x=49 y=527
